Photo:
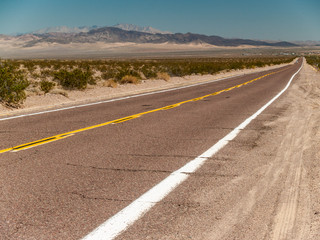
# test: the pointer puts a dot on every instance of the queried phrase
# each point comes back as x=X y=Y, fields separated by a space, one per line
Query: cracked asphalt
x=66 y=188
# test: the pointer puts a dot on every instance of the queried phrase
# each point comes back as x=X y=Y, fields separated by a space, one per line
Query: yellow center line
x=120 y=120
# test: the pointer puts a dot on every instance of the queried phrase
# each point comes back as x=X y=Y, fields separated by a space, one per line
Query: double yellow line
x=121 y=120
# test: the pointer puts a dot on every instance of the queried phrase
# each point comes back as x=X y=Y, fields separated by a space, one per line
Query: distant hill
x=308 y=43
x=132 y=33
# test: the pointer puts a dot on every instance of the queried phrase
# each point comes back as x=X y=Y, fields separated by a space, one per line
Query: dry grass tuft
x=129 y=79
x=163 y=75
x=61 y=92
x=33 y=91
x=111 y=83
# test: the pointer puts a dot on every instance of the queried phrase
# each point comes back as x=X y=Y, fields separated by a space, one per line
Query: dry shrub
x=129 y=79
x=33 y=91
x=75 y=79
x=163 y=75
x=46 y=86
x=12 y=84
x=111 y=83
x=61 y=92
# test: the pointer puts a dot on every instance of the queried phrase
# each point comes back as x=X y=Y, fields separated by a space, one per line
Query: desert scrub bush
x=75 y=79
x=30 y=65
x=314 y=61
x=102 y=68
x=148 y=70
x=163 y=75
x=12 y=85
x=46 y=86
x=110 y=73
x=45 y=73
x=124 y=72
x=129 y=79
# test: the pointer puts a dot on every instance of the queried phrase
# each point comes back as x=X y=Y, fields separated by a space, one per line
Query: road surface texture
x=64 y=173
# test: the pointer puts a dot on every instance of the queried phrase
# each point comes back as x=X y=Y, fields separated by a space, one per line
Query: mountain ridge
x=116 y=34
x=132 y=27
x=123 y=26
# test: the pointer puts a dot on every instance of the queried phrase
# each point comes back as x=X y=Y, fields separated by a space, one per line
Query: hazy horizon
x=275 y=20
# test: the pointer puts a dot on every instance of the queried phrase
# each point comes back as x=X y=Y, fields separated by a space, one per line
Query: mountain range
x=129 y=33
x=84 y=29
x=148 y=29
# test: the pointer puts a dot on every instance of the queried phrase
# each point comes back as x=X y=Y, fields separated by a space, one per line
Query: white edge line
x=121 y=98
x=127 y=216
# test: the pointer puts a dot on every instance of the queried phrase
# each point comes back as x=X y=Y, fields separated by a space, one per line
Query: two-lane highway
x=64 y=173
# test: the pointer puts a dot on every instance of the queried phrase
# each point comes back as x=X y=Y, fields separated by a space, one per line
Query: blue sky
x=254 y=19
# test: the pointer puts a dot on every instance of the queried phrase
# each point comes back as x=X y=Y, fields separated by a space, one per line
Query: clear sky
x=255 y=19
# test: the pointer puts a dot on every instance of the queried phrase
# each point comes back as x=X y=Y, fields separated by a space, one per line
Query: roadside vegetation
x=12 y=84
x=314 y=61
x=21 y=78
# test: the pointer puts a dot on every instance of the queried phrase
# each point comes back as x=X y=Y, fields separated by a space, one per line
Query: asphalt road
x=60 y=183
